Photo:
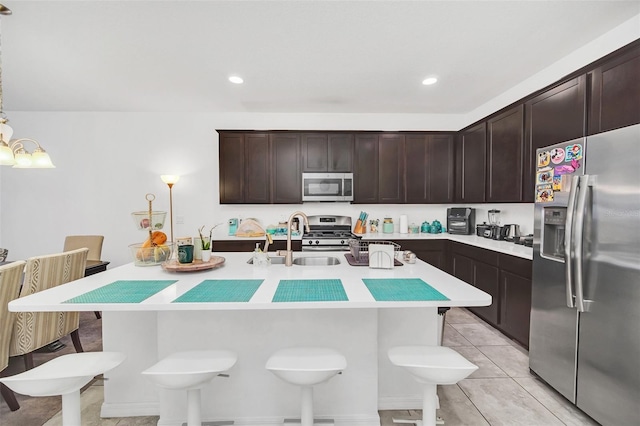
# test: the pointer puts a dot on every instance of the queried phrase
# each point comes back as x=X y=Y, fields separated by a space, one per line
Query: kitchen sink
x=276 y=260
x=304 y=261
x=316 y=261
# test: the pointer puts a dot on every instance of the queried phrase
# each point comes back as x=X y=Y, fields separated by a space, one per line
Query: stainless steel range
x=328 y=233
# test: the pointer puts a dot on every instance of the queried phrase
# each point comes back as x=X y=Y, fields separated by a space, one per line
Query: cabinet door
x=471 y=157
x=365 y=168
x=557 y=115
x=515 y=306
x=257 y=169
x=391 y=168
x=231 y=155
x=286 y=174
x=440 y=163
x=315 y=149
x=462 y=267
x=615 y=93
x=485 y=277
x=340 y=155
x=417 y=173
x=504 y=156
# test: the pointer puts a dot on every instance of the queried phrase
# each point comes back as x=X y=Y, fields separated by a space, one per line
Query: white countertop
x=236 y=267
x=505 y=247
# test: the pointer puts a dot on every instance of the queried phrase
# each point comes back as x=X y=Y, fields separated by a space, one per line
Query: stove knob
x=317 y=242
x=342 y=242
x=310 y=242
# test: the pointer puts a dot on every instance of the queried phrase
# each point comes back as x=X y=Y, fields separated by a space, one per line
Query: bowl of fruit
x=154 y=251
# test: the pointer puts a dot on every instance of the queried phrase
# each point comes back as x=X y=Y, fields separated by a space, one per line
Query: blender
x=494 y=223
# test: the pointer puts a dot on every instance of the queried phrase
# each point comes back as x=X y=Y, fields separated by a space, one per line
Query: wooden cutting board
x=196 y=265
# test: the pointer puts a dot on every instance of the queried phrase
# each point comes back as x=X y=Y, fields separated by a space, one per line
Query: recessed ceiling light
x=429 y=81
x=236 y=79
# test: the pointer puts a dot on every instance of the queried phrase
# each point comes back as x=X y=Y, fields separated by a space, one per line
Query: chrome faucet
x=288 y=256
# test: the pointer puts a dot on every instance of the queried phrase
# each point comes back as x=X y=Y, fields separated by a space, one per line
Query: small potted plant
x=206 y=243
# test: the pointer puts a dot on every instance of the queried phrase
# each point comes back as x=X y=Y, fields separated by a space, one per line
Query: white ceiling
x=295 y=56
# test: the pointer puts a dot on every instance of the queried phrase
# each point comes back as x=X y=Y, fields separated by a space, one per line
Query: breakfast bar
x=149 y=313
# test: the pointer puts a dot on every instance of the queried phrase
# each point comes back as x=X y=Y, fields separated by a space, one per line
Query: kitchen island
x=356 y=324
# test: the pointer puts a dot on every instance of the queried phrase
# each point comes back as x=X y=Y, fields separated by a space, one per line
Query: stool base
x=322 y=422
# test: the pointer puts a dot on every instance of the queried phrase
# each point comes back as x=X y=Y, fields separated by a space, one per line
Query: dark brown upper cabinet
x=391 y=168
x=378 y=168
x=327 y=152
x=365 y=167
x=505 y=143
x=286 y=174
x=615 y=93
x=557 y=115
x=429 y=162
x=471 y=164
x=244 y=168
x=260 y=168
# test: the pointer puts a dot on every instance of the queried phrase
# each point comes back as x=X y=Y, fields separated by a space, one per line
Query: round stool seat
x=432 y=364
x=306 y=366
x=64 y=374
x=190 y=369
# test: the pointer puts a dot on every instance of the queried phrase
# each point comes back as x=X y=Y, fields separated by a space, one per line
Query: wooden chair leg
x=28 y=361
x=75 y=338
x=9 y=397
x=98 y=314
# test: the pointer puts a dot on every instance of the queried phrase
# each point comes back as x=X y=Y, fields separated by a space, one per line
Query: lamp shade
x=6 y=155
x=170 y=179
x=23 y=160
x=41 y=160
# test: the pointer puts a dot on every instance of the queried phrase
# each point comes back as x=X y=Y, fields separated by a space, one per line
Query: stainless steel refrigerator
x=585 y=315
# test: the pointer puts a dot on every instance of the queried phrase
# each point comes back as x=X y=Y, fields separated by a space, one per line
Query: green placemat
x=221 y=291
x=125 y=291
x=401 y=290
x=310 y=291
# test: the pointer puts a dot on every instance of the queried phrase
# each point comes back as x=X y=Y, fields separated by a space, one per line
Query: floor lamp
x=170 y=180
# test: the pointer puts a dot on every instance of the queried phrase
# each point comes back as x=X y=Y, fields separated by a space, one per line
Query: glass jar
x=387 y=226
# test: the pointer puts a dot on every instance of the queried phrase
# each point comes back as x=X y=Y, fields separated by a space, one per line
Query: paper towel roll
x=404 y=225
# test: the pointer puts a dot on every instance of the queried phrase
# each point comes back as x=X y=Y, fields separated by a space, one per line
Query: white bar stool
x=430 y=366
x=64 y=376
x=190 y=371
x=306 y=367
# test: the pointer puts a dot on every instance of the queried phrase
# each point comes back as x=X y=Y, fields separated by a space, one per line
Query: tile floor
x=501 y=392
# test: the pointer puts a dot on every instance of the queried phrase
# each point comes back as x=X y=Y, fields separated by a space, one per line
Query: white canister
x=404 y=224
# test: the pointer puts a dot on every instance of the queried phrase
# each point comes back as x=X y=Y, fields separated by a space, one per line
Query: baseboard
x=129 y=409
x=364 y=420
x=403 y=403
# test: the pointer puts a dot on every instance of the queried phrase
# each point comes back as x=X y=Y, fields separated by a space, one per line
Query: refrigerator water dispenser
x=552 y=241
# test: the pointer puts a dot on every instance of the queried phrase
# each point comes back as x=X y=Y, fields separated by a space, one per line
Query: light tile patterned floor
x=501 y=392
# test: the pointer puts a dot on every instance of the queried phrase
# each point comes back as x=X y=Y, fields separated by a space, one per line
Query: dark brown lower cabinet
x=434 y=252
x=506 y=278
x=515 y=294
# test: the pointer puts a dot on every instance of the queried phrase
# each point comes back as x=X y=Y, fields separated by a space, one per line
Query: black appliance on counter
x=461 y=220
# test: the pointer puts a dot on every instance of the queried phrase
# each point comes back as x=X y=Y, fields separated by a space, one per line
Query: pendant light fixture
x=13 y=152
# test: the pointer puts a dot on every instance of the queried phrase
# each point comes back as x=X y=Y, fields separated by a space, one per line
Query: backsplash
x=521 y=214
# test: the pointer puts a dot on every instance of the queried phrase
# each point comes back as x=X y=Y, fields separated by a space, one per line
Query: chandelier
x=13 y=152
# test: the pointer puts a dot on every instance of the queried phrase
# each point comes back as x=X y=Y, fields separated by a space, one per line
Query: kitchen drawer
x=483 y=255
x=516 y=265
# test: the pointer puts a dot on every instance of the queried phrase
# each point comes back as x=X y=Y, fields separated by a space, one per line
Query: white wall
x=107 y=162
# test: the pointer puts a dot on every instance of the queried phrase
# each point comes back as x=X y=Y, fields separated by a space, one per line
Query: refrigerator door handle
x=568 y=241
x=578 y=235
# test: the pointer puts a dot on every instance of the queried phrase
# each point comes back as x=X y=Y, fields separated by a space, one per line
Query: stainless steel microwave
x=327 y=187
